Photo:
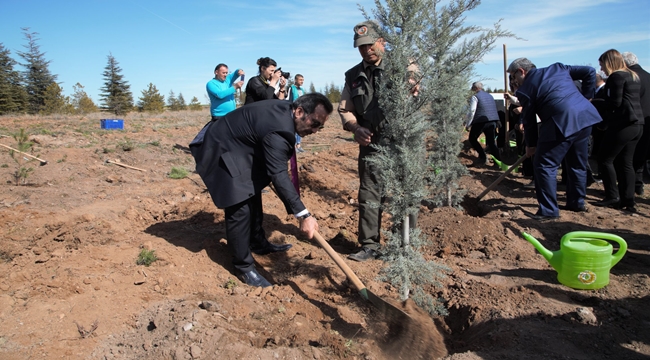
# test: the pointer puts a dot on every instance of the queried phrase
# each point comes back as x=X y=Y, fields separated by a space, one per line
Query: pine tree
x=116 y=94
x=312 y=88
x=195 y=105
x=429 y=51
x=172 y=101
x=37 y=74
x=55 y=102
x=151 y=100
x=333 y=93
x=81 y=102
x=181 y=102
x=13 y=97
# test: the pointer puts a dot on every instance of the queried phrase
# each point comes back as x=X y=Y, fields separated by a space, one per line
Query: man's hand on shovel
x=309 y=226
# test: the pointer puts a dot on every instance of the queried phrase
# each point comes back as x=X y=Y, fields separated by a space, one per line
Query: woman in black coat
x=263 y=86
x=623 y=120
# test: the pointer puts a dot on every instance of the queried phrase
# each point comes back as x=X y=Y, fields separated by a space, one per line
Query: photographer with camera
x=269 y=84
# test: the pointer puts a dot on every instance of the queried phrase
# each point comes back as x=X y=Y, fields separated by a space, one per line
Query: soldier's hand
x=309 y=226
x=530 y=151
x=363 y=136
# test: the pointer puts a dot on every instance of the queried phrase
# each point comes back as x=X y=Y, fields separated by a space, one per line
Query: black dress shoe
x=607 y=202
x=364 y=254
x=253 y=278
x=269 y=247
x=543 y=218
x=579 y=208
x=638 y=190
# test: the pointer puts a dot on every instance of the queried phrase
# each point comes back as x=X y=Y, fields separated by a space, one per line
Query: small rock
x=86 y=281
x=309 y=256
x=195 y=351
x=188 y=327
x=148 y=245
x=139 y=282
x=239 y=290
x=210 y=306
x=586 y=316
x=316 y=353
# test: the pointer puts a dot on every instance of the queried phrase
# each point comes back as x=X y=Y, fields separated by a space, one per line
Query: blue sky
x=176 y=45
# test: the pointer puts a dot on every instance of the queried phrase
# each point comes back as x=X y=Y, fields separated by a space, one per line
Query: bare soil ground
x=70 y=287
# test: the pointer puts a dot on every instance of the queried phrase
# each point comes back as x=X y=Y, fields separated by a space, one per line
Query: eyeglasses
x=316 y=124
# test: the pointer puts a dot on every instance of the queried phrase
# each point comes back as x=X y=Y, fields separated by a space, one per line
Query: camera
x=284 y=74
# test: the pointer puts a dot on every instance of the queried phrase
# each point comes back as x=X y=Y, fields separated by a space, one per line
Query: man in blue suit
x=567 y=116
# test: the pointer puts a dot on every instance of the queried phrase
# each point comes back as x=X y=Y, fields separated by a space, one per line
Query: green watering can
x=584 y=258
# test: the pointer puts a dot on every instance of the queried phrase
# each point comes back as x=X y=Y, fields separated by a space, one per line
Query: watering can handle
x=616 y=257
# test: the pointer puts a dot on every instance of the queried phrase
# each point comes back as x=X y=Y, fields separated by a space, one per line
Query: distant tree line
x=36 y=91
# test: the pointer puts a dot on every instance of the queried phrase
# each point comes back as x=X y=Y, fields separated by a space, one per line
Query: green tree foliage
x=181 y=102
x=312 y=88
x=431 y=51
x=332 y=92
x=116 y=94
x=151 y=100
x=37 y=76
x=13 y=97
x=81 y=102
x=195 y=105
x=55 y=102
x=173 y=102
x=23 y=145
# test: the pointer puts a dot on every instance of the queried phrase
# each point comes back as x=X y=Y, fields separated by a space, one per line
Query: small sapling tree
x=23 y=145
x=423 y=91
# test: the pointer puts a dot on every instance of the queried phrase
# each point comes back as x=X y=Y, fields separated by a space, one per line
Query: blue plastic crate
x=110 y=124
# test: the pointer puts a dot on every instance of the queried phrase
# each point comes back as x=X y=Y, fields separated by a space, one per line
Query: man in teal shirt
x=222 y=89
x=296 y=91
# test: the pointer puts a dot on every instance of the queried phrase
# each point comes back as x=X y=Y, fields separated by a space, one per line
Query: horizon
x=176 y=46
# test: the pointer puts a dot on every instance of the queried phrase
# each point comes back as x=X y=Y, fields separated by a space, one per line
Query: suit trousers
x=547 y=159
x=641 y=153
x=615 y=161
x=244 y=230
x=489 y=129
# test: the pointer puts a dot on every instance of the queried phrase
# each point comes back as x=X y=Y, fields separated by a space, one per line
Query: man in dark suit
x=642 y=147
x=240 y=154
x=566 y=119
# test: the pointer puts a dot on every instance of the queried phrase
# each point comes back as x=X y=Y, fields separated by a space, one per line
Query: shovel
x=388 y=310
x=503 y=176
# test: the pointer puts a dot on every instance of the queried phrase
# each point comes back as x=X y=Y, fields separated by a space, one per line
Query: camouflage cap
x=365 y=33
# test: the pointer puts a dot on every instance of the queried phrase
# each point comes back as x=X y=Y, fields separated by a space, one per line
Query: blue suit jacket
x=551 y=94
x=241 y=153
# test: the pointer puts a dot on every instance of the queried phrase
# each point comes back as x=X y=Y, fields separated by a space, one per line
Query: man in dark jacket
x=642 y=147
x=241 y=154
x=482 y=118
x=566 y=118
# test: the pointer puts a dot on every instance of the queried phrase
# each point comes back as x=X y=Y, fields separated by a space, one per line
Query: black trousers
x=244 y=230
x=641 y=153
x=615 y=162
x=489 y=129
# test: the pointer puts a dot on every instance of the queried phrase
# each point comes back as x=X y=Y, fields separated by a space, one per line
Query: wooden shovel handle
x=339 y=261
x=503 y=176
x=26 y=154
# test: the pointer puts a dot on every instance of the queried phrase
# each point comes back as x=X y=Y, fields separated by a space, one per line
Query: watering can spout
x=547 y=254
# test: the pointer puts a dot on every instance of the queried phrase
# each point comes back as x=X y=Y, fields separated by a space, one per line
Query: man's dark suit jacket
x=246 y=150
x=644 y=79
x=550 y=93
